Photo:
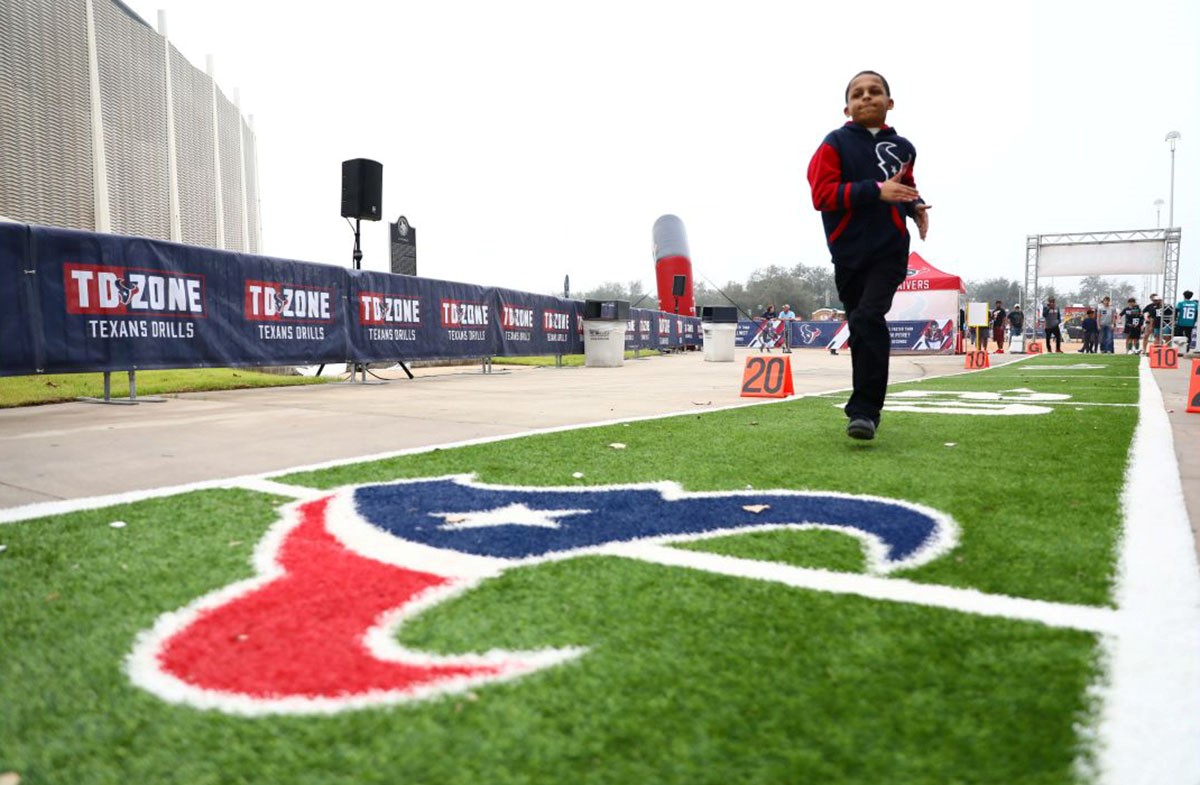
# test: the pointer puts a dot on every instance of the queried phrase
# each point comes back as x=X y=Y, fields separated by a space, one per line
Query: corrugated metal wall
x=249 y=159
x=133 y=89
x=229 y=130
x=46 y=138
x=191 y=92
x=45 y=115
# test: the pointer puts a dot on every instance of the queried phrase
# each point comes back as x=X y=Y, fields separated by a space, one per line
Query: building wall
x=49 y=142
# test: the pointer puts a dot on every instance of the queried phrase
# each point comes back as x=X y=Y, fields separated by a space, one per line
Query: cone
x=977 y=360
x=1164 y=357
x=767 y=377
x=1193 y=394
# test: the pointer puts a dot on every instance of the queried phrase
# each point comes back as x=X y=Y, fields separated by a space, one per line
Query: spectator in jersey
x=1132 y=316
x=1106 y=315
x=1052 y=318
x=997 y=319
x=1091 y=332
x=1016 y=322
x=1186 y=312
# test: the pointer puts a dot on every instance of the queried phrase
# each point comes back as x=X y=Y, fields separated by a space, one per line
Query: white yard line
x=1079 y=617
x=1149 y=728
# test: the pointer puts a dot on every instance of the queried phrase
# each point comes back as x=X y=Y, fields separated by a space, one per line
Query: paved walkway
x=78 y=450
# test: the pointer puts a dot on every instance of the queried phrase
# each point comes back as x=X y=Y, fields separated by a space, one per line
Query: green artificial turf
x=688 y=677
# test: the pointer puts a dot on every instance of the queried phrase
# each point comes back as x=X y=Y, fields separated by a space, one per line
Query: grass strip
x=60 y=387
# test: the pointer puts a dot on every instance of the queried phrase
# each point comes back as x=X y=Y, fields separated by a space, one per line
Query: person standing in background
x=1186 y=312
x=787 y=316
x=1132 y=315
x=997 y=316
x=1151 y=323
x=1016 y=323
x=1106 y=317
x=1052 y=318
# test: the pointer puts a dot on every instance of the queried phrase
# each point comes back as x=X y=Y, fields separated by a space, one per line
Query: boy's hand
x=922 y=219
x=895 y=192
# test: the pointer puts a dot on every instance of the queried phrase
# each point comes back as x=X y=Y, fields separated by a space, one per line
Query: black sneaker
x=861 y=428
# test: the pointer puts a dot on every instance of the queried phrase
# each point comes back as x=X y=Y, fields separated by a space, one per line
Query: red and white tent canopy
x=923 y=277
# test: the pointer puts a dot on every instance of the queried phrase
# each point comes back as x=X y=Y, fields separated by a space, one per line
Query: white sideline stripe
x=1078 y=617
x=1149 y=724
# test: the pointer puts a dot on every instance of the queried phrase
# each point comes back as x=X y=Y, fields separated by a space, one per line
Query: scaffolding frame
x=1168 y=237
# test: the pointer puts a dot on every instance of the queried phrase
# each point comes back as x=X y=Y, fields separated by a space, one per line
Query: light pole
x=1172 y=138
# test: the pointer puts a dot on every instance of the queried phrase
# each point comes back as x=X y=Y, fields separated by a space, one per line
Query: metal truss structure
x=1168 y=237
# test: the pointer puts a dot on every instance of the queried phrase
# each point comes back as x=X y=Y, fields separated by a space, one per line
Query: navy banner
x=18 y=306
x=81 y=301
x=908 y=336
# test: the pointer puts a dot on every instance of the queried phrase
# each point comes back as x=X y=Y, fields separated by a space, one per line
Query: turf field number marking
x=1004 y=402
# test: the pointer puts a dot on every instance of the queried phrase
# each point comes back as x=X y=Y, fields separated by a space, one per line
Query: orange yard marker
x=767 y=377
x=977 y=360
x=1164 y=357
x=1193 y=394
x=1034 y=348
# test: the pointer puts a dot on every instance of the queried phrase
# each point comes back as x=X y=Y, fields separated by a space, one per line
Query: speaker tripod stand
x=357 y=368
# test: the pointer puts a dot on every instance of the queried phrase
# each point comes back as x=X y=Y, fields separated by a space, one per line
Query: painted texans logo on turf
x=316 y=630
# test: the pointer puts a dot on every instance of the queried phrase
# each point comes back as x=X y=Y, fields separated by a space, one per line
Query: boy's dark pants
x=866 y=294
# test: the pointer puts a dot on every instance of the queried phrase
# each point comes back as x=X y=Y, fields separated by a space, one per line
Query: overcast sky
x=530 y=140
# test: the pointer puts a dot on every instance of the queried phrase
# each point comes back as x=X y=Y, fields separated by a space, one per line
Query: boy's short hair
x=886 y=87
x=1187 y=295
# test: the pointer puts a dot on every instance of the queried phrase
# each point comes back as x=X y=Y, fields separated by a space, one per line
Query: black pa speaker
x=719 y=313
x=606 y=310
x=678 y=286
x=362 y=189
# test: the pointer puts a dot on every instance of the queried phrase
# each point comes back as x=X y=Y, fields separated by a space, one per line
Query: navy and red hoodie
x=845 y=175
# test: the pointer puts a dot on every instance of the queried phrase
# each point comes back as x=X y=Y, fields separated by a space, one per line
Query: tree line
x=807 y=289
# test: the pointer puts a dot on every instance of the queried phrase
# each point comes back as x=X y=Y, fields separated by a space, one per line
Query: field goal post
x=1134 y=252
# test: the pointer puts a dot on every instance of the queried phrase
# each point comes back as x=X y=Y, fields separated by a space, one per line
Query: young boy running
x=861 y=179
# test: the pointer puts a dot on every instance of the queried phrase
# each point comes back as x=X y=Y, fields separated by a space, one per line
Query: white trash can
x=603 y=344
x=719 y=341
x=719 y=325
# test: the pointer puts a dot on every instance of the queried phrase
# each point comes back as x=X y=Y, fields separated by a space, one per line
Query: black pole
x=357 y=247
